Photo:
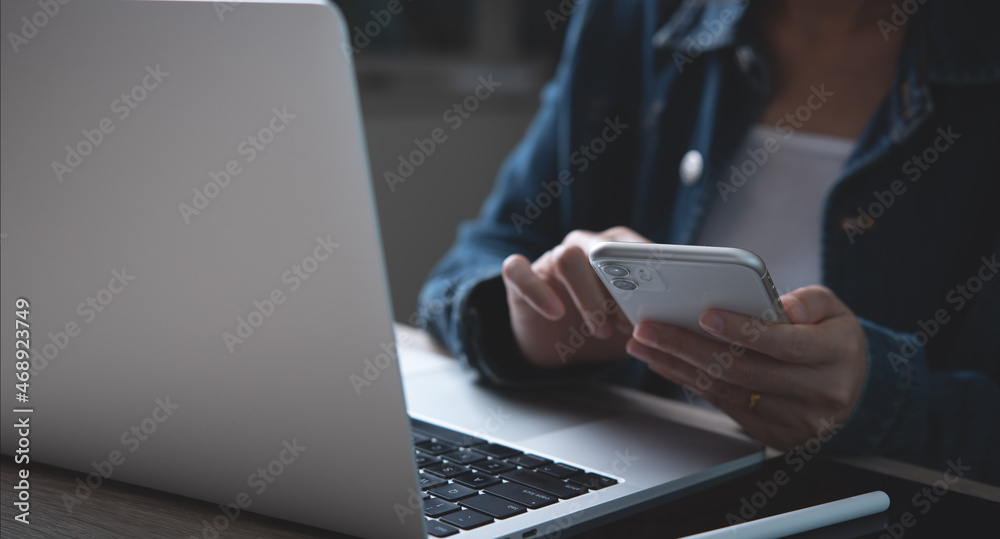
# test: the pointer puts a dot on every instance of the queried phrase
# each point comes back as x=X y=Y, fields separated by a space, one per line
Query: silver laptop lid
x=187 y=209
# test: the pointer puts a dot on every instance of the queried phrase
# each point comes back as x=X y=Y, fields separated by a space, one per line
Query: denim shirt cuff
x=893 y=391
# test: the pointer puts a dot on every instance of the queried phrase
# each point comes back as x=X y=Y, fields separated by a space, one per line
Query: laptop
x=191 y=260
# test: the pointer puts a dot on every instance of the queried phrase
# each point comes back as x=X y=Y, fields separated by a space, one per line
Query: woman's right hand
x=559 y=309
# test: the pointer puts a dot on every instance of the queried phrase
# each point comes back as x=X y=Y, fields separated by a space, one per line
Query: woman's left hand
x=784 y=383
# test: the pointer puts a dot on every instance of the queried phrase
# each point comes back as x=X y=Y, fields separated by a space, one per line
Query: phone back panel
x=676 y=284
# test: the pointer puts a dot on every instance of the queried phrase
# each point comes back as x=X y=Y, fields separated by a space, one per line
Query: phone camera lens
x=615 y=270
x=624 y=284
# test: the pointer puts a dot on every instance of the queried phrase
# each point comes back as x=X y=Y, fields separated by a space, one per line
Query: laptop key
x=446 y=470
x=526 y=496
x=425 y=460
x=440 y=529
x=453 y=492
x=426 y=481
x=435 y=507
x=434 y=447
x=592 y=481
x=545 y=483
x=559 y=471
x=493 y=506
x=477 y=480
x=442 y=433
x=467 y=519
x=493 y=466
x=464 y=456
x=498 y=451
x=417 y=437
x=529 y=461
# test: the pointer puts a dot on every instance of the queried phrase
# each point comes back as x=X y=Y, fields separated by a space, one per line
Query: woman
x=851 y=144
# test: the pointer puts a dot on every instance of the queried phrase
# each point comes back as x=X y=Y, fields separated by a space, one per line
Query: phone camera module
x=615 y=270
x=624 y=284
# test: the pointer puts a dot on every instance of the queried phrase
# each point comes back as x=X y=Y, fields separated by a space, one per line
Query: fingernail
x=553 y=308
x=645 y=335
x=712 y=323
x=794 y=310
x=636 y=350
x=604 y=331
x=594 y=329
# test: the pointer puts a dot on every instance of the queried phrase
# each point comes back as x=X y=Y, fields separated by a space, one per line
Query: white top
x=770 y=201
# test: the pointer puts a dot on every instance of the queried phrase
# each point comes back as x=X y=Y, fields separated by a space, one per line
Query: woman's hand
x=784 y=383
x=559 y=309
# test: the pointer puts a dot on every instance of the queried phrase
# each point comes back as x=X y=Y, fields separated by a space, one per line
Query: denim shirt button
x=691 y=167
x=745 y=58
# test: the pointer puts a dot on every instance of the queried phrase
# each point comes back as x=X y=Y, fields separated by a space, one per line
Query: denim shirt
x=650 y=106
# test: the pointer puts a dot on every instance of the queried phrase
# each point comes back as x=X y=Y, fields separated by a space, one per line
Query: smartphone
x=675 y=284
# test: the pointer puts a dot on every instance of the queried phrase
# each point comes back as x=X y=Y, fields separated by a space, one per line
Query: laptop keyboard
x=468 y=482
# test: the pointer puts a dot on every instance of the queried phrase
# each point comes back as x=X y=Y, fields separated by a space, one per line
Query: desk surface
x=119 y=510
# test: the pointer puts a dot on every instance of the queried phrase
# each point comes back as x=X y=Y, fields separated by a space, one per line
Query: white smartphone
x=675 y=284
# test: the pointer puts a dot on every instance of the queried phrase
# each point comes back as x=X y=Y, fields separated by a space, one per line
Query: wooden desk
x=120 y=510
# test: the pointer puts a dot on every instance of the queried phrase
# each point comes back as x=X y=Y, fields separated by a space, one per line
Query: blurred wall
x=419 y=217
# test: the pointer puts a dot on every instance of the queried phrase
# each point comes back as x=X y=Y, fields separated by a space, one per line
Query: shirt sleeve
x=939 y=419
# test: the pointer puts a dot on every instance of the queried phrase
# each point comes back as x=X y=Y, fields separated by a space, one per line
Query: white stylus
x=803 y=520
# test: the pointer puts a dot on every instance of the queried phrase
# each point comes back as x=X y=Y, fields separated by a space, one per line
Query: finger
x=732 y=363
x=759 y=423
x=585 y=239
x=623 y=324
x=623 y=233
x=582 y=239
x=519 y=278
x=807 y=344
x=573 y=270
x=812 y=305
x=732 y=399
